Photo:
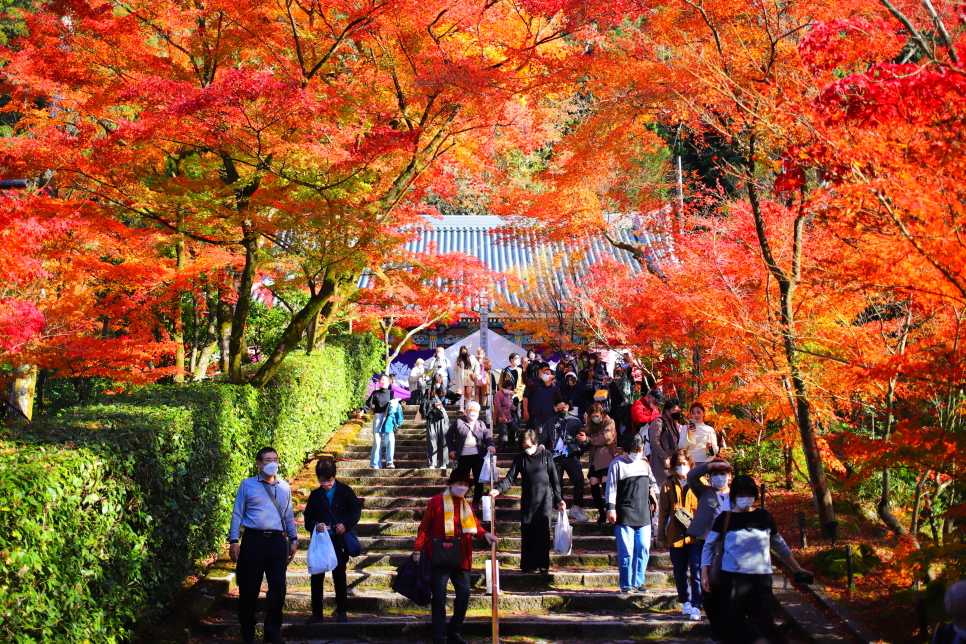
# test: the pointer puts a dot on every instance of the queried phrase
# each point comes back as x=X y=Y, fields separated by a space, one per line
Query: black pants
x=507 y=434
x=341 y=588
x=261 y=556
x=746 y=601
x=474 y=463
x=535 y=543
x=461 y=584
x=575 y=472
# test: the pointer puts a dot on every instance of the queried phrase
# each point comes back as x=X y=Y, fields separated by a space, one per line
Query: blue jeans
x=379 y=440
x=684 y=558
x=633 y=551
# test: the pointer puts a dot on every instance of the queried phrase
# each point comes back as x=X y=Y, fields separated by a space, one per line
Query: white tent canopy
x=498 y=348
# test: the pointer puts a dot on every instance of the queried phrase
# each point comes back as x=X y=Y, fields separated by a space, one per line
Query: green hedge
x=107 y=509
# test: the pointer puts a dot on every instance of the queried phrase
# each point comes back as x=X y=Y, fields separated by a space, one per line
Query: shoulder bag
x=271 y=495
x=351 y=543
x=680 y=512
x=447 y=553
x=717 y=554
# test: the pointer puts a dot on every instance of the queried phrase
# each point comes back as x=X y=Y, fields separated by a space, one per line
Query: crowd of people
x=652 y=472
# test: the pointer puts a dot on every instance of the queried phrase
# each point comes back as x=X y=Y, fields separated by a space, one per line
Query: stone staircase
x=577 y=599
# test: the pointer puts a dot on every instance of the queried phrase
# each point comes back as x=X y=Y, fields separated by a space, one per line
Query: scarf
x=467 y=520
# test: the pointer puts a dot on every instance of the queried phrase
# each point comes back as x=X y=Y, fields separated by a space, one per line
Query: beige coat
x=603 y=442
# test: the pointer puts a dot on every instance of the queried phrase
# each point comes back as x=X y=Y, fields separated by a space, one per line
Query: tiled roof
x=473 y=234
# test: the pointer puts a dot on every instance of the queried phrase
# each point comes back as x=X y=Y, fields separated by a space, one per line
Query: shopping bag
x=487 y=461
x=412 y=581
x=563 y=534
x=321 y=555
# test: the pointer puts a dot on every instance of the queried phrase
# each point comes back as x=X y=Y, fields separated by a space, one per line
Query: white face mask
x=473 y=415
x=509 y=390
x=515 y=362
x=596 y=419
x=719 y=481
x=545 y=377
x=271 y=469
x=682 y=470
x=384 y=385
x=531 y=450
x=744 y=502
x=635 y=456
x=459 y=490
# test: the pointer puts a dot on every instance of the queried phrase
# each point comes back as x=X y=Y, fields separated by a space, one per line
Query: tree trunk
x=310 y=334
x=177 y=322
x=916 y=504
x=22 y=391
x=224 y=329
x=195 y=335
x=236 y=342
x=296 y=329
x=884 y=507
x=211 y=340
x=787 y=454
x=787 y=281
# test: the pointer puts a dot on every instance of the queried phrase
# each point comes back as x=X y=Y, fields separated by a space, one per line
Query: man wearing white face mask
x=713 y=499
x=263 y=507
x=630 y=491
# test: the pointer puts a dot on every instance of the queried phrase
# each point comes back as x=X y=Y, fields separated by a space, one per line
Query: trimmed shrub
x=143 y=488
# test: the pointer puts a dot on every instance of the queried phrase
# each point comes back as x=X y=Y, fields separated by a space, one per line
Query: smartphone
x=804 y=578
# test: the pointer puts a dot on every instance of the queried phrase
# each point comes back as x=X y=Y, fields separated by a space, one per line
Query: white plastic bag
x=563 y=534
x=485 y=474
x=321 y=555
x=489 y=578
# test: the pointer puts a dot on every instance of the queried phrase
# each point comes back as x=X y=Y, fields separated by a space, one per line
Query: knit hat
x=460 y=475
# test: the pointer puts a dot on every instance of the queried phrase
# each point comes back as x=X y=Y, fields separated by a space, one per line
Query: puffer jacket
x=394 y=418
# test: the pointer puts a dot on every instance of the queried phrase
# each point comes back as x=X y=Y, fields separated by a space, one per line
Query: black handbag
x=447 y=553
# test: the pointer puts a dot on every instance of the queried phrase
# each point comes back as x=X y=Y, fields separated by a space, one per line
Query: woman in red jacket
x=449 y=522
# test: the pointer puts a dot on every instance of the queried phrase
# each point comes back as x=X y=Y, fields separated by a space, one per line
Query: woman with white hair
x=417 y=378
x=953 y=632
x=468 y=441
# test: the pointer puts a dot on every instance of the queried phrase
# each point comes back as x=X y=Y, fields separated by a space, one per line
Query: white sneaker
x=695 y=614
x=686 y=611
x=578 y=515
x=390 y=466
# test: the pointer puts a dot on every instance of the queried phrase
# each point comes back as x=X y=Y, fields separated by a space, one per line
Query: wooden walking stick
x=494 y=586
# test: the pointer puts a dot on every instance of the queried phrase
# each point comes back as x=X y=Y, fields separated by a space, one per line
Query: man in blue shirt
x=263 y=507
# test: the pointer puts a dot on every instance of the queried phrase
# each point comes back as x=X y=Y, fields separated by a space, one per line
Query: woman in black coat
x=334 y=506
x=541 y=491
x=433 y=409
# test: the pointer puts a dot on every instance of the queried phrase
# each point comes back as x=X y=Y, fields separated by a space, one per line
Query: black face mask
x=676 y=415
x=561 y=413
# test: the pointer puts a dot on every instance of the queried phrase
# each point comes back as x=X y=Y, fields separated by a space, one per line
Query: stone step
x=397 y=477
x=423 y=492
x=510 y=543
x=406 y=469
x=373 y=502
x=374 y=528
x=413 y=514
x=509 y=560
x=554 y=627
x=510 y=579
x=382 y=602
